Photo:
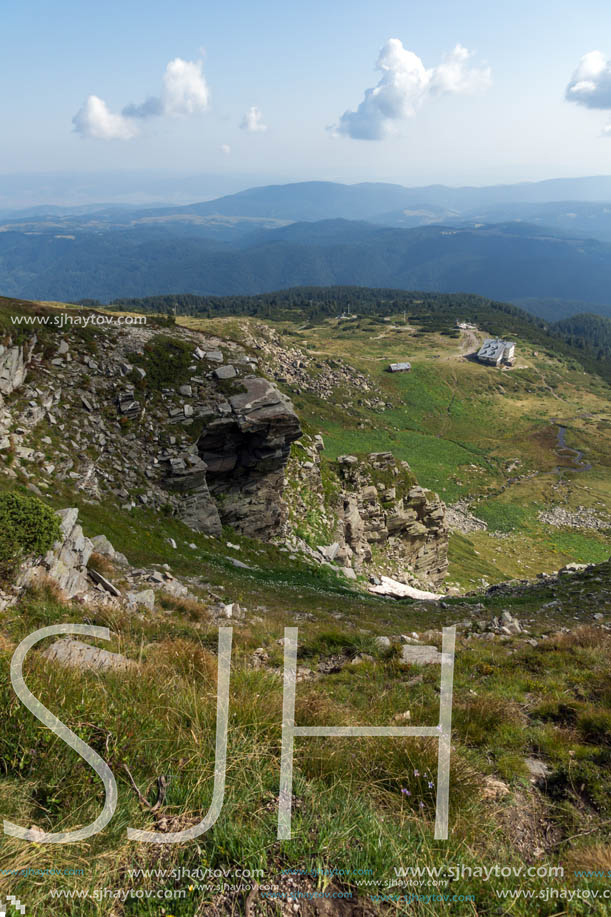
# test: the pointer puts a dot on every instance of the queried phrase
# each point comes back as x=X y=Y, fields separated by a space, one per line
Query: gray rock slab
x=145 y=598
x=419 y=655
x=225 y=372
x=84 y=656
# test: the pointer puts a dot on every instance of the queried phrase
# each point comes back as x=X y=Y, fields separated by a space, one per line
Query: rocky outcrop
x=334 y=380
x=381 y=507
x=66 y=562
x=245 y=451
x=186 y=475
x=367 y=515
x=209 y=447
x=13 y=365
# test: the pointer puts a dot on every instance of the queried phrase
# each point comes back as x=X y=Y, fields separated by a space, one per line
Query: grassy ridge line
x=432 y=311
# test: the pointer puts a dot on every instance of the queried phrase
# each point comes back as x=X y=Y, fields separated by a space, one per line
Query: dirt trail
x=469 y=343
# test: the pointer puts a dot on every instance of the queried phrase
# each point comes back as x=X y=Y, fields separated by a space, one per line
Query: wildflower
x=430 y=785
x=406 y=792
x=421 y=805
x=416 y=773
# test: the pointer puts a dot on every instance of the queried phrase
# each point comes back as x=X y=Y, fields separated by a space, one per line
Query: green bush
x=27 y=526
x=166 y=361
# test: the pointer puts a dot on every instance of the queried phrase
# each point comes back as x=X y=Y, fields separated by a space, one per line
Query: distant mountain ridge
x=377 y=201
x=371 y=200
x=513 y=242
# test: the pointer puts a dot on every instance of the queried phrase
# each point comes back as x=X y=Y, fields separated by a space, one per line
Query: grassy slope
x=511 y=699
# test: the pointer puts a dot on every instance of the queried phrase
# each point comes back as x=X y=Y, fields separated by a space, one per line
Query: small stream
x=575 y=455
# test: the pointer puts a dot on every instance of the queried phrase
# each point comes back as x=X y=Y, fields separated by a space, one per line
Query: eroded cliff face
x=368 y=515
x=245 y=452
x=14 y=359
x=384 y=514
x=234 y=475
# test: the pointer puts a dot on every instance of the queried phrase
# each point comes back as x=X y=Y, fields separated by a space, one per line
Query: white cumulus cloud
x=405 y=85
x=96 y=121
x=253 y=121
x=184 y=92
x=590 y=84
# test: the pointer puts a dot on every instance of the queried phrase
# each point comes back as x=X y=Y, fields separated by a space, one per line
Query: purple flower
x=416 y=773
x=406 y=792
x=421 y=804
x=430 y=785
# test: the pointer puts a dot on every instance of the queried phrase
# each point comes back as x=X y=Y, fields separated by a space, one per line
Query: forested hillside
x=506 y=261
x=587 y=332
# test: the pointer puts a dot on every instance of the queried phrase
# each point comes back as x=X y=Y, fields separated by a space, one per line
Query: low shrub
x=166 y=361
x=27 y=526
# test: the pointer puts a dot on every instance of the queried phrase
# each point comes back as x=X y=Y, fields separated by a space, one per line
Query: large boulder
x=84 y=656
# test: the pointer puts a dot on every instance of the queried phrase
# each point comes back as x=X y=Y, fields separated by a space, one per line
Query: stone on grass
x=419 y=655
x=145 y=598
x=76 y=654
x=225 y=372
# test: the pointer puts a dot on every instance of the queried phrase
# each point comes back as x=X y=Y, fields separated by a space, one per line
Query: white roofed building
x=494 y=351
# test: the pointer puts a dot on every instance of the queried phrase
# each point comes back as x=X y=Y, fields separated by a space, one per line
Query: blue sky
x=301 y=66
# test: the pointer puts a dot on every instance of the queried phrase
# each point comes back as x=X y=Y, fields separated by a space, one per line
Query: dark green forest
x=504 y=262
x=586 y=332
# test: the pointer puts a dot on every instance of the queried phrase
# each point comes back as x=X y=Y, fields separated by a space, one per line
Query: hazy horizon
x=24 y=190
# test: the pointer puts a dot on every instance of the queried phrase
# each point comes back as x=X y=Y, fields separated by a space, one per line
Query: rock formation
x=380 y=507
x=245 y=452
x=211 y=449
x=14 y=359
x=187 y=476
x=377 y=518
x=66 y=562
